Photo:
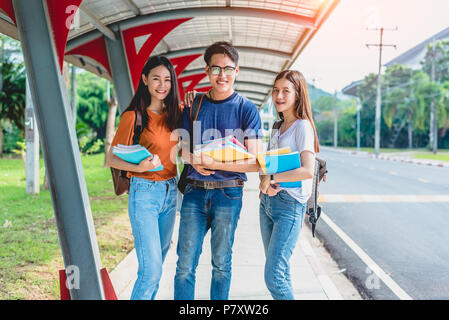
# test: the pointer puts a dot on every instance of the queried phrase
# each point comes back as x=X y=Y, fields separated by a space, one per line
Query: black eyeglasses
x=216 y=70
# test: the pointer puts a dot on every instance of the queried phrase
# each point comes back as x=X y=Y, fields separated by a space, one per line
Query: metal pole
x=32 y=146
x=359 y=107
x=335 y=122
x=433 y=131
x=377 y=121
x=378 y=100
x=73 y=92
x=60 y=147
x=120 y=71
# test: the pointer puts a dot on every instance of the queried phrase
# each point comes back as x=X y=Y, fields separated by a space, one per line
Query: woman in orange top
x=153 y=194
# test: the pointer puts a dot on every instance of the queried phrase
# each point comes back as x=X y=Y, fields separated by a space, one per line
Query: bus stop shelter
x=113 y=39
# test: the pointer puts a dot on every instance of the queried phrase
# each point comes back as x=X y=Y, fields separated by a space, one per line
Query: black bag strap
x=138 y=127
x=137 y=132
x=315 y=209
x=194 y=111
x=277 y=125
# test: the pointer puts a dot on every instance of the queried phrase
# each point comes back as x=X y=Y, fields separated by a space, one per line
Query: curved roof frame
x=310 y=24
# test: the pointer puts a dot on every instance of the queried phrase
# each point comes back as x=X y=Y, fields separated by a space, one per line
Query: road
x=394 y=220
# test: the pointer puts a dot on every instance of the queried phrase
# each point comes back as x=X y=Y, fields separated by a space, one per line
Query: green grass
x=442 y=155
x=30 y=254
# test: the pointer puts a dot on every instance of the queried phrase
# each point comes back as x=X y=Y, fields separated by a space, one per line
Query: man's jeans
x=281 y=220
x=152 y=212
x=219 y=210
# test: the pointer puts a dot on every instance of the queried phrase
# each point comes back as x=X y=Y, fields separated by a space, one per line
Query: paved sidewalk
x=309 y=278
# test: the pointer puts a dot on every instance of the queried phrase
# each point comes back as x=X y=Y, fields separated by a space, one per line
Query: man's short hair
x=222 y=47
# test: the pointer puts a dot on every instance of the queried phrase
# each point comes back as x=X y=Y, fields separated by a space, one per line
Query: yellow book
x=261 y=156
x=227 y=154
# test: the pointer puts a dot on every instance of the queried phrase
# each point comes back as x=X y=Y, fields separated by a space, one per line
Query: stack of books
x=280 y=160
x=133 y=154
x=226 y=149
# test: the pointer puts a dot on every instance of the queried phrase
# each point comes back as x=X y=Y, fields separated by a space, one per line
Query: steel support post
x=62 y=157
x=120 y=70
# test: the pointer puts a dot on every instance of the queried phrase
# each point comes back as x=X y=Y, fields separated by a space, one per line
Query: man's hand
x=203 y=164
x=189 y=97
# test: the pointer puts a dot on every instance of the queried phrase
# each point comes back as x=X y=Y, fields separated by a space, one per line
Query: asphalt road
x=397 y=215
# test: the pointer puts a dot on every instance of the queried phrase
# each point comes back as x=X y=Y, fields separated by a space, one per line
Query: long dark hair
x=142 y=97
x=303 y=109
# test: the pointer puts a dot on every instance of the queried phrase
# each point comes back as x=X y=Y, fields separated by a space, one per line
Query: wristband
x=272 y=179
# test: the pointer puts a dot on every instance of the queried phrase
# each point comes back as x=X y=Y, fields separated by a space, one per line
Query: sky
x=338 y=55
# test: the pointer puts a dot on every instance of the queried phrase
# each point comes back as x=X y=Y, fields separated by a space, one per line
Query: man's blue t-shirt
x=235 y=115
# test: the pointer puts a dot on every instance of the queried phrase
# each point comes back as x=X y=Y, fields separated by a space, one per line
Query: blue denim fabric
x=218 y=210
x=152 y=212
x=281 y=220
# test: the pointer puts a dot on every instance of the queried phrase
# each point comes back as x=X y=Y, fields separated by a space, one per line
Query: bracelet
x=272 y=179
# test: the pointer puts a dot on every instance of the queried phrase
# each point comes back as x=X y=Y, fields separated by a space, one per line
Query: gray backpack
x=313 y=208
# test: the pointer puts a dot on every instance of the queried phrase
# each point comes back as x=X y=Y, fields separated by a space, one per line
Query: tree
x=92 y=103
x=441 y=55
x=12 y=96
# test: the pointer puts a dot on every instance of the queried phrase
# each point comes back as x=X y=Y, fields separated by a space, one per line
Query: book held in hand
x=226 y=149
x=133 y=154
x=280 y=160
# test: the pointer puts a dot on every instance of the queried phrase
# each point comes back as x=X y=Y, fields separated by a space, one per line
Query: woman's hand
x=266 y=187
x=149 y=163
x=273 y=190
x=264 y=184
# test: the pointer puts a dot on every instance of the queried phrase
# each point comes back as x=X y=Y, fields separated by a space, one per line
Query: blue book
x=281 y=163
x=133 y=154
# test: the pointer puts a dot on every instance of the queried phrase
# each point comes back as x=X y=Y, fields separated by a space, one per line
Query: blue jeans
x=219 y=210
x=281 y=220
x=152 y=212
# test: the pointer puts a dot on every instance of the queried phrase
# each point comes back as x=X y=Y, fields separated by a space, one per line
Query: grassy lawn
x=442 y=155
x=30 y=255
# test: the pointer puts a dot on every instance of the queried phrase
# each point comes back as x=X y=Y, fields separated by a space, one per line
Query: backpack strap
x=277 y=125
x=138 y=127
x=137 y=132
x=194 y=111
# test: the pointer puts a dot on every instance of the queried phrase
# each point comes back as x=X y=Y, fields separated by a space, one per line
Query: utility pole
x=359 y=107
x=433 y=133
x=379 y=87
x=335 y=121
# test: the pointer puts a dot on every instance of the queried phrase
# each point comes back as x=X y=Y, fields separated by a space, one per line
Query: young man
x=213 y=195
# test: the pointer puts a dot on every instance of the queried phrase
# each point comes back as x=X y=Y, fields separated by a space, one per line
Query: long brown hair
x=302 y=107
x=142 y=98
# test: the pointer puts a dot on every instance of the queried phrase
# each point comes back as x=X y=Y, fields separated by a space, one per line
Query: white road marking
x=389 y=282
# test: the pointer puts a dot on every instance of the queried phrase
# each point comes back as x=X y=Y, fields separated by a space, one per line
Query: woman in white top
x=282 y=207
